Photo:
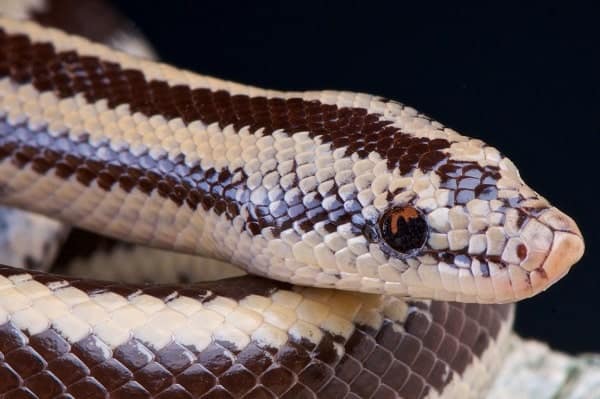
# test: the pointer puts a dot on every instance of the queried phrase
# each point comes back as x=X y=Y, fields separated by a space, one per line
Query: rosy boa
x=386 y=213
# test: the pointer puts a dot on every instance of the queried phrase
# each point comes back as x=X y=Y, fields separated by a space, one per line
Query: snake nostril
x=522 y=251
x=404 y=229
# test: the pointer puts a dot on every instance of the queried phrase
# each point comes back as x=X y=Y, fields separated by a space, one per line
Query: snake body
x=363 y=214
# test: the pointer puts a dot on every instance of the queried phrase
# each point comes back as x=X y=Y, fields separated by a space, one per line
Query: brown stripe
x=68 y=73
x=387 y=362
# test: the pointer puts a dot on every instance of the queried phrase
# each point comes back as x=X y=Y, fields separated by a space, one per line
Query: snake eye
x=404 y=229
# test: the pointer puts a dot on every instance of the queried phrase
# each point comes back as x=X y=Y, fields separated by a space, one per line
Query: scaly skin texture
x=328 y=189
x=245 y=337
x=286 y=185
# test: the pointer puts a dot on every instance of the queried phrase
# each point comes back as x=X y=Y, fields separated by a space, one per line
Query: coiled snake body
x=383 y=211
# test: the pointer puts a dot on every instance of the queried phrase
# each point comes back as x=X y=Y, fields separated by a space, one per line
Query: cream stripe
x=115 y=319
x=209 y=146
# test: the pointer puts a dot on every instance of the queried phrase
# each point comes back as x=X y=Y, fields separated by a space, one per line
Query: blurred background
x=524 y=79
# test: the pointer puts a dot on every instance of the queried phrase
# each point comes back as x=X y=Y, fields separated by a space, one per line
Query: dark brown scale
x=486 y=192
x=145 y=185
x=105 y=180
x=431 y=159
x=40 y=165
x=521 y=219
x=62 y=168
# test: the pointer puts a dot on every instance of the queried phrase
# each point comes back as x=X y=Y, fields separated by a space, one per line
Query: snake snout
x=567 y=246
x=553 y=243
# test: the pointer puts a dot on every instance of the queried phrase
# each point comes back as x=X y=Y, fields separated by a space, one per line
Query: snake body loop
x=362 y=214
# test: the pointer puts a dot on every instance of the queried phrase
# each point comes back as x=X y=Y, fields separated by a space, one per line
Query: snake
x=383 y=250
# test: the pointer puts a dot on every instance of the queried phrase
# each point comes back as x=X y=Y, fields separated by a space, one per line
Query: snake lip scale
x=389 y=247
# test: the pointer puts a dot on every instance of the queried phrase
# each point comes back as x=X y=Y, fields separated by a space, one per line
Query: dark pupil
x=408 y=233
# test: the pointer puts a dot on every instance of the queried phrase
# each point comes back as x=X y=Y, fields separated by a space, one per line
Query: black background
x=524 y=79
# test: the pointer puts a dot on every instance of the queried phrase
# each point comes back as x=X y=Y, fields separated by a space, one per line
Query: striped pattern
x=20 y=227
x=293 y=186
x=260 y=340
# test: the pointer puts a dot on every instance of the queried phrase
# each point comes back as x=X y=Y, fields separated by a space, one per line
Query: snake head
x=449 y=217
x=472 y=232
x=416 y=209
